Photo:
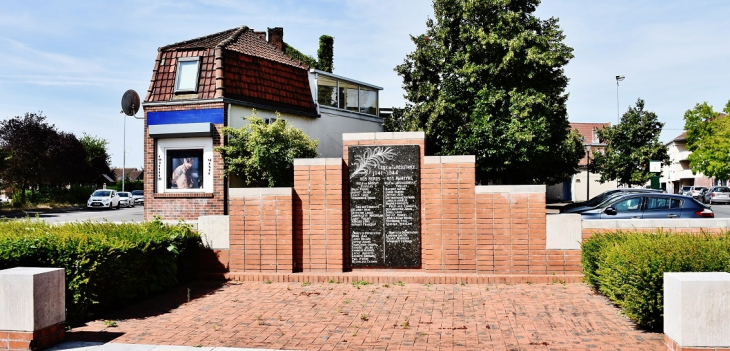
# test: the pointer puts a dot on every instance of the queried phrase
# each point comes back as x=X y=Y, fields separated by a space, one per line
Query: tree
x=97 y=158
x=487 y=79
x=27 y=140
x=325 y=54
x=708 y=137
x=263 y=155
x=630 y=145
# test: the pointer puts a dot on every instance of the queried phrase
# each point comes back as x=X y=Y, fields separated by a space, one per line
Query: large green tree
x=262 y=155
x=630 y=146
x=97 y=157
x=487 y=79
x=708 y=137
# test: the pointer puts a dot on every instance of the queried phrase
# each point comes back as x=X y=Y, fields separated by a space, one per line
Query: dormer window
x=186 y=80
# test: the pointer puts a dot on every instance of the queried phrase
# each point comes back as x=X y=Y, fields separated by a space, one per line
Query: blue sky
x=73 y=60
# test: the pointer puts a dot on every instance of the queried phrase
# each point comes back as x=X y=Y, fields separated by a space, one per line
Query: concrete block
x=32 y=298
x=697 y=308
x=214 y=230
x=432 y=160
x=409 y=135
x=563 y=232
x=243 y=192
x=310 y=161
x=458 y=159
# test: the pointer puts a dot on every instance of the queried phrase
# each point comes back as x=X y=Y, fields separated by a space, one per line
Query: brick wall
x=448 y=212
x=32 y=340
x=180 y=205
x=318 y=215
x=261 y=230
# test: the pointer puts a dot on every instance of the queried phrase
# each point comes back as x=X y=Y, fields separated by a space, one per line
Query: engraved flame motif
x=371 y=158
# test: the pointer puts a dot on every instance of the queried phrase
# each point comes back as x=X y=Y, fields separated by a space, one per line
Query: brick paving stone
x=341 y=316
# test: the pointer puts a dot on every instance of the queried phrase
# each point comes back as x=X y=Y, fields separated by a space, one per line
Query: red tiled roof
x=681 y=137
x=251 y=71
x=586 y=130
x=130 y=173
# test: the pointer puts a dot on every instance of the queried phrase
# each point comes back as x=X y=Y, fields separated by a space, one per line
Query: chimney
x=261 y=35
x=276 y=37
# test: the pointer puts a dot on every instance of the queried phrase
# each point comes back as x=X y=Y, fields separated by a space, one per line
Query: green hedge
x=628 y=267
x=106 y=264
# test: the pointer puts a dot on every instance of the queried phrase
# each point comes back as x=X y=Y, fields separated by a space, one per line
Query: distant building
x=132 y=174
x=679 y=173
x=575 y=188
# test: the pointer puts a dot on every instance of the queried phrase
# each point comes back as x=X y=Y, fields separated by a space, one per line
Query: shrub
x=262 y=155
x=629 y=267
x=106 y=264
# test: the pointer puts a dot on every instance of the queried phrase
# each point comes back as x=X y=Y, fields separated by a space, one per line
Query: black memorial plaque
x=385 y=206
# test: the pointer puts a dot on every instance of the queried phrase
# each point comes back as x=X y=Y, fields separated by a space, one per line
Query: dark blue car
x=650 y=205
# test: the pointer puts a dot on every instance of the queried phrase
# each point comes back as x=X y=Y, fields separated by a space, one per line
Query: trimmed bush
x=629 y=268
x=106 y=264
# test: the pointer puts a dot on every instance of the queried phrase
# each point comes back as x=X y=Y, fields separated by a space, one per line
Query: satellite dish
x=130 y=102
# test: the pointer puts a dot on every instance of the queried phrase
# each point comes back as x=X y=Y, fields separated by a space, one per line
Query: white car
x=104 y=198
x=138 y=196
x=126 y=199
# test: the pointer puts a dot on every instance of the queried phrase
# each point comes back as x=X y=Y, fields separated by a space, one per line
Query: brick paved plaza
x=344 y=316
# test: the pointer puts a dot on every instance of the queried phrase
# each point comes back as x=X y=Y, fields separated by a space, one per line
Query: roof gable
x=238 y=64
x=587 y=130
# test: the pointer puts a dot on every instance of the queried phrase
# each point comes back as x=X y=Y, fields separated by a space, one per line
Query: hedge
x=106 y=264
x=628 y=267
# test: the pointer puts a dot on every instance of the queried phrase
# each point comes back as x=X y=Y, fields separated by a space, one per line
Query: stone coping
x=513 y=189
x=449 y=159
x=656 y=223
x=241 y=192
x=383 y=136
x=317 y=162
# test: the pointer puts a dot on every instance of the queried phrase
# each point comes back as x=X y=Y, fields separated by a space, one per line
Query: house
x=198 y=86
x=132 y=174
x=678 y=173
x=582 y=185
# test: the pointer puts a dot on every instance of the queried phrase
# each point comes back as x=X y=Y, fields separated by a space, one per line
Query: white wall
x=327 y=129
x=579 y=186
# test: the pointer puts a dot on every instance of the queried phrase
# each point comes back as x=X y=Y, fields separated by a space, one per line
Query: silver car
x=126 y=199
x=716 y=194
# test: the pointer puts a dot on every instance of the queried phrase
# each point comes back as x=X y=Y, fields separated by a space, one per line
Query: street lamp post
x=618 y=79
x=588 y=172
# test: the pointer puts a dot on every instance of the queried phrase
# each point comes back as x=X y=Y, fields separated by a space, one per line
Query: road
x=80 y=214
x=721 y=211
x=135 y=214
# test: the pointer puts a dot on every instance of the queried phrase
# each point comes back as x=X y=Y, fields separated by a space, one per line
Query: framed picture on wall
x=184 y=169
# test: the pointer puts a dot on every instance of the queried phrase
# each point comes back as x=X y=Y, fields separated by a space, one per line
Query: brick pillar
x=318 y=227
x=261 y=230
x=32 y=308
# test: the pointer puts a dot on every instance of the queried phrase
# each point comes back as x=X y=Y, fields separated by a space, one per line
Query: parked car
x=716 y=194
x=138 y=196
x=126 y=199
x=657 y=205
x=685 y=190
x=695 y=191
x=103 y=198
x=597 y=200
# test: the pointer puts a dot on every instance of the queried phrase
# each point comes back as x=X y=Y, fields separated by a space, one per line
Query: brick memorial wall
x=410 y=213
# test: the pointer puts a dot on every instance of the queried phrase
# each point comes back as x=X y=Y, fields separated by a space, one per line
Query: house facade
x=200 y=85
x=678 y=173
x=582 y=185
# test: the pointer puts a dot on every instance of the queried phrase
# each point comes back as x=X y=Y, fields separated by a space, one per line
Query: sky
x=73 y=60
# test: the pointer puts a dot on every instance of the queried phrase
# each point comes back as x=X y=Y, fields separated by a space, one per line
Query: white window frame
x=178 y=76
x=164 y=145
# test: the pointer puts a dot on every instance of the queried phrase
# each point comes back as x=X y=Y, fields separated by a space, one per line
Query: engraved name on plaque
x=385 y=206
